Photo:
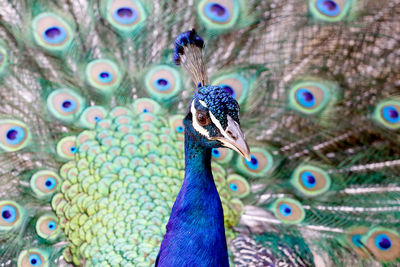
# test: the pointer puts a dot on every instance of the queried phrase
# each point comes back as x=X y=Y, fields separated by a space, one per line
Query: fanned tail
x=91 y=128
x=78 y=133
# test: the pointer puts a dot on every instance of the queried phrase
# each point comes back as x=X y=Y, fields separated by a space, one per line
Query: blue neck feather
x=195 y=231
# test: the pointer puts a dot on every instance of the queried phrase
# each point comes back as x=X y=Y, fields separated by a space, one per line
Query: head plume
x=188 y=53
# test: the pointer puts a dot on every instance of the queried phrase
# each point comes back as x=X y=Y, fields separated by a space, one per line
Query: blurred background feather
x=91 y=129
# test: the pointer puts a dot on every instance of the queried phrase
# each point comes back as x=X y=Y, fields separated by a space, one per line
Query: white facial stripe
x=203 y=103
x=196 y=124
x=219 y=126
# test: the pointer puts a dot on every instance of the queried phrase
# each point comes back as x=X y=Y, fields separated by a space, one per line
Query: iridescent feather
x=91 y=132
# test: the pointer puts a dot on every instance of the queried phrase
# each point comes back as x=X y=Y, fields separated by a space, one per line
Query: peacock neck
x=196 y=224
x=198 y=198
x=197 y=164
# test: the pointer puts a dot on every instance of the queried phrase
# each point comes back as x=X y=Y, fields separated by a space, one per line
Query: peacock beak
x=233 y=138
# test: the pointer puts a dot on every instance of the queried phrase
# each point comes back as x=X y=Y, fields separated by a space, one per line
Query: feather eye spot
x=305 y=98
x=252 y=164
x=54 y=35
x=92 y=115
x=47 y=227
x=309 y=98
x=288 y=210
x=383 y=242
x=14 y=135
x=146 y=105
x=68 y=105
x=328 y=7
x=311 y=180
x=125 y=15
x=390 y=114
x=228 y=89
x=215 y=153
x=162 y=82
x=285 y=210
x=44 y=183
x=32 y=257
x=312 y=96
x=66 y=147
x=35 y=260
x=356 y=240
x=330 y=10
x=308 y=179
x=51 y=32
x=259 y=165
x=233 y=187
x=104 y=75
x=65 y=104
x=176 y=124
x=8 y=214
x=216 y=12
x=238 y=185
x=52 y=225
x=50 y=183
x=387 y=113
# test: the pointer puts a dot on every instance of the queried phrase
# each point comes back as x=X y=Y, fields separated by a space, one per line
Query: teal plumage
x=91 y=133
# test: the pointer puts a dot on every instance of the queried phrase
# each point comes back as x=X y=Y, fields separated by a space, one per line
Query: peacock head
x=213 y=120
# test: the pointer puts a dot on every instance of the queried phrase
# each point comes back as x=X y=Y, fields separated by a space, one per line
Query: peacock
x=195 y=231
x=92 y=127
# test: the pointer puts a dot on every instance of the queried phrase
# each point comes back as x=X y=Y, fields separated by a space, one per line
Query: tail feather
x=317 y=82
x=271 y=249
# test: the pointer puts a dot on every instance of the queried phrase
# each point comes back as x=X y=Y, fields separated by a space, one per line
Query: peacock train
x=94 y=126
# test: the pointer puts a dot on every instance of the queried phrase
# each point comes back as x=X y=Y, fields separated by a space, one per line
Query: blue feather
x=195 y=231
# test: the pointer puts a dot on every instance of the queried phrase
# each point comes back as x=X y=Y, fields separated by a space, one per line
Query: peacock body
x=91 y=129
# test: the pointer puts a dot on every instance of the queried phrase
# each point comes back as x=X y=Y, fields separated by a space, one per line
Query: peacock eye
x=202 y=119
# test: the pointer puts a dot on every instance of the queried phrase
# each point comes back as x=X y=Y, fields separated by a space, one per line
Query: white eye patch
x=196 y=124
